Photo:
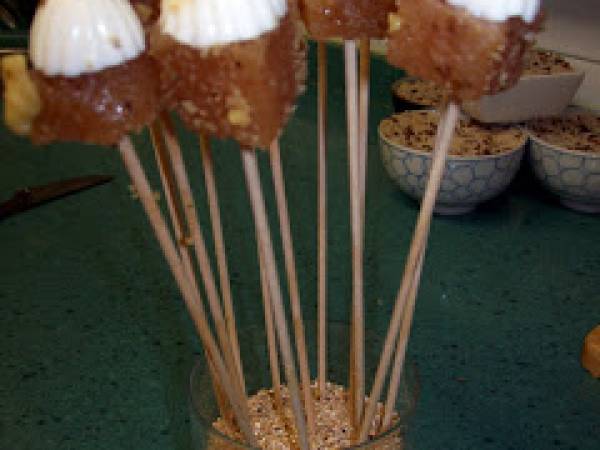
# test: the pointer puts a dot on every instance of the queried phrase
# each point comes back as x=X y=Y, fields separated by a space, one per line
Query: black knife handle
x=20 y=202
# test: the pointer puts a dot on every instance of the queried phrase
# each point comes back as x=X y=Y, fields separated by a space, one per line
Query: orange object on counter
x=590 y=355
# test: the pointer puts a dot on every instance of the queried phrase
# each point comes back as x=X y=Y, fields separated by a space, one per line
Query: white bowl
x=534 y=96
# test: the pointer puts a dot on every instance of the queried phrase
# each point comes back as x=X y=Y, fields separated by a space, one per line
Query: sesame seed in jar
x=275 y=429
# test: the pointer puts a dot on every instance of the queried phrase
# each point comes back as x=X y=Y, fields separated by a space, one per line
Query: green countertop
x=96 y=347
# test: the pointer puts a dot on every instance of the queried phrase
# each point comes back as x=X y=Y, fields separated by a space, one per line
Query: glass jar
x=204 y=410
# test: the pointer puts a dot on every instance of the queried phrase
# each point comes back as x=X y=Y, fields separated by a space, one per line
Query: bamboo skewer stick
x=351 y=360
x=200 y=248
x=322 y=218
x=399 y=359
x=357 y=328
x=364 y=93
x=191 y=297
x=271 y=337
x=173 y=202
x=290 y=265
x=418 y=245
x=217 y=229
x=266 y=248
x=179 y=229
x=363 y=139
x=224 y=408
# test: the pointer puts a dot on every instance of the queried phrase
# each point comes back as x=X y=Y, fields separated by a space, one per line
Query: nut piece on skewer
x=22 y=101
x=346 y=19
x=91 y=79
x=231 y=69
x=470 y=47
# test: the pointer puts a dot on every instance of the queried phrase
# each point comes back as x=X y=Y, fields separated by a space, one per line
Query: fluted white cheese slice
x=500 y=10
x=73 y=37
x=206 y=23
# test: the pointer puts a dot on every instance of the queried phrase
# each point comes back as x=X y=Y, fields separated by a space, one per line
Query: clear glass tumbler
x=253 y=345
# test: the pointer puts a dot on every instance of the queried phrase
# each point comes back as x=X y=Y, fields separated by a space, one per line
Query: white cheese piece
x=73 y=37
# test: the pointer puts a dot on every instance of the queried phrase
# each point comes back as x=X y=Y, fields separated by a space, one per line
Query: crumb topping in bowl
x=542 y=62
x=577 y=132
x=419 y=92
x=417 y=130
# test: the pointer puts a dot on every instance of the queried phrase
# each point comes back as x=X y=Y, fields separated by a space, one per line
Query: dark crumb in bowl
x=543 y=62
x=577 y=132
x=413 y=93
x=417 y=130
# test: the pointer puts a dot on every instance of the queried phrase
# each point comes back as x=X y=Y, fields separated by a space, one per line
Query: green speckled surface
x=95 y=346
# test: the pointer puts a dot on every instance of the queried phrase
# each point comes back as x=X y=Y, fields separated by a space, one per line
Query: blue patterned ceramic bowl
x=573 y=176
x=468 y=180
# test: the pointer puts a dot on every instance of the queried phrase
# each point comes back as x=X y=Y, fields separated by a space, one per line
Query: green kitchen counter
x=96 y=346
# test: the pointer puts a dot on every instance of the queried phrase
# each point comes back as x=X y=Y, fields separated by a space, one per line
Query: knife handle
x=20 y=202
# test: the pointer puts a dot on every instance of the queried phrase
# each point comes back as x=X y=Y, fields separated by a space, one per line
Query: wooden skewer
x=357 y=371
x=191 y=297
x=290 y=265
x=173 y=202
x=224 y=408
x=203 y=260
x=363 y=138
x=217 y=229
x=322 y=219
x=399 y=359
x=443 y=141
x=271 y=337
x=179 y=228
x=266 y=248
x=364 y=93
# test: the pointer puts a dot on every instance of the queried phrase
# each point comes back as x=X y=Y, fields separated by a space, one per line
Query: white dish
x=534 y=96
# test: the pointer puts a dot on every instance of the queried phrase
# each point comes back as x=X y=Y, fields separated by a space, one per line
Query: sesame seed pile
x=275 y=430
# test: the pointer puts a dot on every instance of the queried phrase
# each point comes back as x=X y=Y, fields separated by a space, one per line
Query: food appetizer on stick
x=233 y=70
x=346 y=19
x=350 y=20
x=471 y=48
x=93 y=81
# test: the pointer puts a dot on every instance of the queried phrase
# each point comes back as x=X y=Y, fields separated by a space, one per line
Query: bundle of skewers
x=233 y=69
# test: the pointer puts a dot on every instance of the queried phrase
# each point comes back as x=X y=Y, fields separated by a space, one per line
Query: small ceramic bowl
x=573 y=175
x=468 y=180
